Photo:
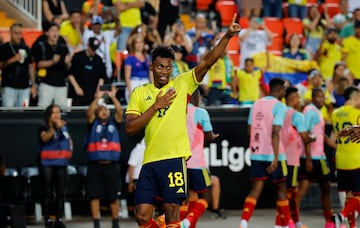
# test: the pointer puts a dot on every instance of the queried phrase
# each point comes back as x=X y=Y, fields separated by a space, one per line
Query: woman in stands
x=54 y=11
x=294 y=49
x=55 y=150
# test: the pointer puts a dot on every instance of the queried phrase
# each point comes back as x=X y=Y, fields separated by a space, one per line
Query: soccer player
x=293 y=135
x=348 y=157
x=268 y=160
x=316 y=168
x=199 y=128
x=160 y=107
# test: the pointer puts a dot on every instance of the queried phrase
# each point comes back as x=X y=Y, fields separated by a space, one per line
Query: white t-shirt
x=135 y=160
x=256 y=42
x=106 y=38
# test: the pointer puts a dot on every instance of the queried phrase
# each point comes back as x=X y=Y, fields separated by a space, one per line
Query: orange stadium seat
x=276 y=47
x=244 y=22
x=332 y=1
x=202 y=5
x=5 y=34
x=333 y=9
x=227 y=9
x=233 y=50
x=275 y=25
x=311 y=3
x=293 y=25
x=30 y=35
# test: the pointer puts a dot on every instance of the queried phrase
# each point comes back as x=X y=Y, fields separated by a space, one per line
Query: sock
x=173 y=225
x=249 y=207
x=197 y=209
x=327 y=215
x=351 y=206
x=277 y=219
x=342 y=198
x=183 y=211
x=151 y=224
x=244 y=224
x=351 y=219
x=294 y=209
x=96 y=223
x=298 y=224
x=284 y=211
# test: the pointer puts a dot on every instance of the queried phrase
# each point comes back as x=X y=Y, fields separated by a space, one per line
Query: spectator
x=272 y=8
x=251 y=7
x=18 y=77
x=314 y=27
x=338 y=92
x=130 y=17
x=339 y=22
x=86 y=74
x=55 y=150
x=52 y=60
x=348 y=29
x=254 y=39
x=344 y=9
x=166 y=104
x=179 y=66
x=199 y=128
x=328 y=53
x=316 y=169
x=54 y=11
x=179 y=37
x=136 y=65
x=91 y=8
x=246 y=83
x=338 y=72
x=295 y=50
x=297 y=9
x=103 y=152
x=351 y=53
x=201 y=37
x=105 y=38
x=268 y=155
x=168 y=15
x=72 y=30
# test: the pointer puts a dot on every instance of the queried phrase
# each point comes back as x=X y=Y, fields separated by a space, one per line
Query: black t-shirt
x=15 y=75
x=55 y=74
x=87 y=71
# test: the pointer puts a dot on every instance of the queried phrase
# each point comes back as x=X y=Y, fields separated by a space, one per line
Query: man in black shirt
x=87 y=72
x=17 y=71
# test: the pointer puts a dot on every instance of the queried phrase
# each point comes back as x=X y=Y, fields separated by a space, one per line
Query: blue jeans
x=272 y=8
x=123 y=38
x=15 y=97
x=297 y=11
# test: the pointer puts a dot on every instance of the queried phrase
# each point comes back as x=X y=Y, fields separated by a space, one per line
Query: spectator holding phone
x=87 y=72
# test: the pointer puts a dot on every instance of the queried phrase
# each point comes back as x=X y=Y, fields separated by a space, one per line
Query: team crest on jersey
x=111 y=128
x=98 y=128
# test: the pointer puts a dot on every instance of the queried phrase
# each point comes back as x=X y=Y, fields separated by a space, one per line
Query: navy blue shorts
x=164 y=179
x=292 y=177
x=258 y=171
x=199 y=180
x=320 y=172
x=349 y=180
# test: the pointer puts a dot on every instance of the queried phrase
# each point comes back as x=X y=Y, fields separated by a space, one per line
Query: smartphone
x=105 y=87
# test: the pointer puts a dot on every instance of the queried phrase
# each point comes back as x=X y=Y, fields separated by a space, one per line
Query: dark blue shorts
x=349 y=180
x=164 y=179
x=199 y=180
x=258 y=171
x=320 y=172
x=292 y=177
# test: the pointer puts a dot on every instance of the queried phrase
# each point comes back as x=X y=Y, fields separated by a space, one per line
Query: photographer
x=87 y=72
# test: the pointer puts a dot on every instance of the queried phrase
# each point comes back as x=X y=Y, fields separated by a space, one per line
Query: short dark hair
x=162 y=51
x=16 y=25
x=249 y=60
x=349 y=92
x=75 y=10
x=316 y=90
x=276 y=83
x=290 y=91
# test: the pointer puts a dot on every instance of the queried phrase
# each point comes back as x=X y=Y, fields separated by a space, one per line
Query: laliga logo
x=235 y=157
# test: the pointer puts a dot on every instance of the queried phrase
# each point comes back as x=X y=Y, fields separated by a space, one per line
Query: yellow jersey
x=329 y=55
x=129 y=18
x=297 y=2
x=351 y=46
x=166 y=134
x=249 y=89
x=72 y=35
x=347 y=152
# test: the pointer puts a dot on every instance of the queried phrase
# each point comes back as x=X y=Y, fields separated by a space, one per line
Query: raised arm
x=212 y=56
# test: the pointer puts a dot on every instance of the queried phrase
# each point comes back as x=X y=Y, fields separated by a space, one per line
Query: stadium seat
x=333 y=9
x=275 y=25
x=293 y=25
x=226 y=9
x=276 y=47
x=311 y=3
x=233 y=50
x=202 y=5
x=244 y=22
x=332 y=1
x=30 y=36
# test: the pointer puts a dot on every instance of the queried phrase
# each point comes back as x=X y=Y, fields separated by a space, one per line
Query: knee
x=142 y=218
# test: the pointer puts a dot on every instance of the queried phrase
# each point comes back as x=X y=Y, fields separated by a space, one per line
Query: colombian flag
x=295 y=71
